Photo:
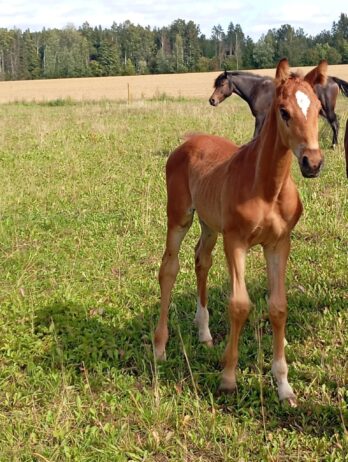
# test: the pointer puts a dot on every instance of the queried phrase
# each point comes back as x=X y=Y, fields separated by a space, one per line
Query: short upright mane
x=296 y=75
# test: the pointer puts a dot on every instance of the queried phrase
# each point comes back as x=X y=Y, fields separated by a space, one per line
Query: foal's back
x=193 y=175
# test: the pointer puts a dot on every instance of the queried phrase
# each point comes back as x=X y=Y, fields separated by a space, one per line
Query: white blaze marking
x=303 y=101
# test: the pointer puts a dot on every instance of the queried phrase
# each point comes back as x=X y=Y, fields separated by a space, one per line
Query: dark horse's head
x=223 y=89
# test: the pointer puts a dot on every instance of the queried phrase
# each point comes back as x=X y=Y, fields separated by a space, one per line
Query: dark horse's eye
x=284 y=114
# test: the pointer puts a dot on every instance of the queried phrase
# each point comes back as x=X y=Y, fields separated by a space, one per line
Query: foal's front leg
x=276 y=265
x=238 y=309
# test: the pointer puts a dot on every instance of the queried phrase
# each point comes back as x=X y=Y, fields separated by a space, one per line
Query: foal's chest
x=272 y=222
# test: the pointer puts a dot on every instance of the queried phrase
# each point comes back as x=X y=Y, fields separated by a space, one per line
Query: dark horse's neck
x=244 y=84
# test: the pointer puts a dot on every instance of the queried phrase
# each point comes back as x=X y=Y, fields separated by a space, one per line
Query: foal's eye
x=284 y=114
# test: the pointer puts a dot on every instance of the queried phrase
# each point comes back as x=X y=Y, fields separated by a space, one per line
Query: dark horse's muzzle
x=213 y=101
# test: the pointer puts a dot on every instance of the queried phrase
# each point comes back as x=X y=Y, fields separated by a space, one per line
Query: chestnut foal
x=248 y=195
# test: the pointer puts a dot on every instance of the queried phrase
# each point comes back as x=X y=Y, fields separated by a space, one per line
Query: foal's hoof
x=227 y=388
x=208 y=343
x=290 y=402
x=286 y=395
x=160 y=355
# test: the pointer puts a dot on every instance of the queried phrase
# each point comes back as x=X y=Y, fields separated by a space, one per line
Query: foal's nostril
x=305 y=162
x=212 y=101
x=311 y=167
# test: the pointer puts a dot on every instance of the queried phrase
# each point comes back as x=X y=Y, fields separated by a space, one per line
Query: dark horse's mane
x=225 y=75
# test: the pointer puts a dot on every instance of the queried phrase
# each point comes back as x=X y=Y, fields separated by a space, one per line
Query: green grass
x=82 y=197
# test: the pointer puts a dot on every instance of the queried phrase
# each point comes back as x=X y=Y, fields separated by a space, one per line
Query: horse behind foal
x=248 y=195
x=255 y=90
x=258 y=92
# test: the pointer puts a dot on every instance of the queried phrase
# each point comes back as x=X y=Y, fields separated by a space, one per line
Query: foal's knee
x=203 y=262
x=169 y=266
x=239 y=308
x=278 y=312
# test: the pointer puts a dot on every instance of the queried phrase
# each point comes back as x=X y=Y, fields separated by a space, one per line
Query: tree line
x=129 y=49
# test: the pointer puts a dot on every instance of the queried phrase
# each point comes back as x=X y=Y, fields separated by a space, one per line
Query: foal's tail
x=342 y=84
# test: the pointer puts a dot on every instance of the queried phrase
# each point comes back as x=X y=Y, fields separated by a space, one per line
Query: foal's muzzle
x=311 y=162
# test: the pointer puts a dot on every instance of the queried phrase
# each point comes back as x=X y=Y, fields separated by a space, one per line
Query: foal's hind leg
x=167 y=275
x=203 y=262
x=180 y=215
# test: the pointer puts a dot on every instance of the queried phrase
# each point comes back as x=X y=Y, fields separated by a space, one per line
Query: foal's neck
x=273 y=161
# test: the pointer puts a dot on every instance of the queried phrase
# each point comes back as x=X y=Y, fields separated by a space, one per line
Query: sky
x=255 y=16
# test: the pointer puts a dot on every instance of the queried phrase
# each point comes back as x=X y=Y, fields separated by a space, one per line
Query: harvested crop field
x=197 y=85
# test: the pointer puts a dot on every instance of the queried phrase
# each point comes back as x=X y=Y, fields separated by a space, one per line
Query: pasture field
x=126 y=88
x=82 y=197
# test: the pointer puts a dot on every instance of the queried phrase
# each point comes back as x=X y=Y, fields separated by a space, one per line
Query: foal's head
x=223 y=89
x=297 y=108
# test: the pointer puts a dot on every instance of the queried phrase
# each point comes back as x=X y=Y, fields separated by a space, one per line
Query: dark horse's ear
x=318 y=75
x=282 y=71
x=225 y=73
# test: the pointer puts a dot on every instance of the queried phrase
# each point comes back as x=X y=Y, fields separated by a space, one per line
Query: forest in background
x=129 y=49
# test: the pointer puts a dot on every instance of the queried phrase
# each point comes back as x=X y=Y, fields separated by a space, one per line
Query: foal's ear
x=283 y=70
x=318 y=75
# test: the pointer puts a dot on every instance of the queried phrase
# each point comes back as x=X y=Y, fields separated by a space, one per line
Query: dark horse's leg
x=331 y=117
x=327 y=96
x=259 y=119
x=333 y=121
x=335 y=126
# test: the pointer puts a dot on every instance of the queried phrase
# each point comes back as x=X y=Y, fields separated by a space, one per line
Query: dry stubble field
x=197 y=85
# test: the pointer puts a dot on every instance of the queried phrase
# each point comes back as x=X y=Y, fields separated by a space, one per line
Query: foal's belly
x=211 y=220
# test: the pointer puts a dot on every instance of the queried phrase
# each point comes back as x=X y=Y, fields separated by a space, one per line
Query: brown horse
x=258 y=92
x=248 y=195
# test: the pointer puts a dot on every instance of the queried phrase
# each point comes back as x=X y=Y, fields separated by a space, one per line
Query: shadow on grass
x=80 y=338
